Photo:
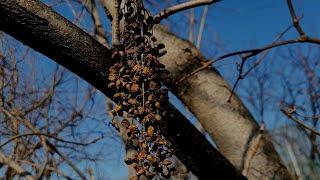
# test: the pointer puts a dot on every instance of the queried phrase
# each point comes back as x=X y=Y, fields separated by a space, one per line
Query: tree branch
x=251 y=52
x=49 y=136
x=19 y=170
x=289 y=113
x=181 y=7
x=294 y=18
x=36 y=25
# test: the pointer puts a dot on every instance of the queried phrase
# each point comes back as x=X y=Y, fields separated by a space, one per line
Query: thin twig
x=73 y=166
x=289 y=114
x=294 y=18
x=49 y=136
x=252 y=52
x=99 y=32
x=19 y=170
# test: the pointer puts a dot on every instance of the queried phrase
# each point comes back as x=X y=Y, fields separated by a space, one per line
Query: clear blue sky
x=236 y=25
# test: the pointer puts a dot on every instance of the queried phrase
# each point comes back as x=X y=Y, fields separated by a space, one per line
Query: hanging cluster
x=140 y=97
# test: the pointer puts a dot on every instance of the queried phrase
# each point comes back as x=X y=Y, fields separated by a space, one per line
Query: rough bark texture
x=36 y=25
x=229 y=124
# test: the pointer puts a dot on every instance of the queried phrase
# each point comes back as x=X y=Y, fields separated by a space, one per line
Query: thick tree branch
x=36 y=25
x=229 y=124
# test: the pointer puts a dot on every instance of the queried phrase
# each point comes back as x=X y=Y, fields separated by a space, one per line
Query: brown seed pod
x=147 y=71
x=166 y=162
x=122 y=69
x=151 y=159
x=131 y=63
x=160 y=141
x=158 y=117
x=128 y=86
x=132 y=128
x=140 y=172
x=136 y=79
x=133 y=101
x=149 y=57
x=150 y=131
x=112 y=77
x=165 y=172
x=134 y=178
x=151 y=98
x=140 y=110
x=136 y=68
x=117 y=108
x=141 y=156
x=119 y=95
x=111 y=85
x=153 y=85
x=144 y=146
x=157 y=104
x=131 y=50
x=136 y=112
x=149 y=174
x=125 y=123
x=118 y=84
x=135 y=88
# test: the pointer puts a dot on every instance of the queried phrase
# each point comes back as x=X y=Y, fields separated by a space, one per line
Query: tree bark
x=36 y=25
x=231 y=125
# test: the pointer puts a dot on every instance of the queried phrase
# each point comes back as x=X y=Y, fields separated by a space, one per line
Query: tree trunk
x=231 y=125
x=36 y=25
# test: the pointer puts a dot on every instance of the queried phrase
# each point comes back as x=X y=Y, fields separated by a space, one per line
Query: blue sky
x=235 y=25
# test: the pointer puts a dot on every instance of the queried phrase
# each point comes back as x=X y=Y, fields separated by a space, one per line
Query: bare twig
x=19 y=170
x=294 y=18
x=202 y=23
x=69 y=162
x=191 y=25
x=289 y=113
x=49 y=136
x=99 y=32
x=183 y=6
x=251 y=53
x=46 y=142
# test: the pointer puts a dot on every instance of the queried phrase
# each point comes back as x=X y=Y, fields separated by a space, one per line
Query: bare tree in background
x=44 y=114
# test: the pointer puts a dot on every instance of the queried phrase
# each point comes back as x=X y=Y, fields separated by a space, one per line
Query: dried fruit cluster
x=140 y=96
